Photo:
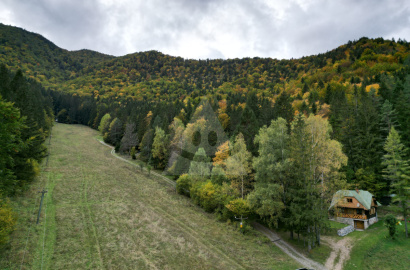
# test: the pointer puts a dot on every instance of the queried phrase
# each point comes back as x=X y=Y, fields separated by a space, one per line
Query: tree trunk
x=309 y=240
x=291 y=234
x=318 y=236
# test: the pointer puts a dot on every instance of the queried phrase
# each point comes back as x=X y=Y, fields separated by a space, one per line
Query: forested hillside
x=345 y=100
x=26 y=118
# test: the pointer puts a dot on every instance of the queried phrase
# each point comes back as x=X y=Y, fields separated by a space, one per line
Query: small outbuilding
x=354 y=207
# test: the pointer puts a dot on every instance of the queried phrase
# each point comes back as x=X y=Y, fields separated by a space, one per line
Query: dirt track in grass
x=103 y=213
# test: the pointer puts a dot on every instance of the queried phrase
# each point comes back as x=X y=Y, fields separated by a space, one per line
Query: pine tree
x=388 y=118
x=5 y=83
x=305 y=88
x=11 y=143
x=272 y=171
x=402 y=105
x=317 y=160
x=146 y=145
x=283 y=108
x=248 y=127
x=115 y=131
x=397 y=171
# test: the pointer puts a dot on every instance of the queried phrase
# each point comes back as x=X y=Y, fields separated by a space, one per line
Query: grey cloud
x=210 y=29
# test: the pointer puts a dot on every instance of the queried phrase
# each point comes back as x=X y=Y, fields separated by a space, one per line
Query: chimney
x=357 y=190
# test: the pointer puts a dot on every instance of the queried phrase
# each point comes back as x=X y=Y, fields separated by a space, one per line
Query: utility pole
x=41 y=203
x=48 y=154
x=241 y=218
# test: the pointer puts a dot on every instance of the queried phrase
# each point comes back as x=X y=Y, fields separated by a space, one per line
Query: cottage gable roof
x=363 y=197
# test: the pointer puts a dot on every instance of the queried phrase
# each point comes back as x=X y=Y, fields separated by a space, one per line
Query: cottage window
x=349 y=200
x=359 y=211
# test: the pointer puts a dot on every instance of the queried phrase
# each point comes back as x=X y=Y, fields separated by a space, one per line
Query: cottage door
x=359 y=224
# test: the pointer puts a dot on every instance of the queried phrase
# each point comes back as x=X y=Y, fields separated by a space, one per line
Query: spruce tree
x=248 y=127
x=115 y=132
x=283 y=108
x=397 y=172
x=388 y=118
x=272 y=171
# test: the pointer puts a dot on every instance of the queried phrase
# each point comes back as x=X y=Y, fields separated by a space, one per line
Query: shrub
x=117 y=147
x=141 y=164
x=207 y=196
x=149 y=168
x=184 y=184
x=390 y=223
x=194 y=192
x=239 y=207
x=132 y=153
x=7 y=221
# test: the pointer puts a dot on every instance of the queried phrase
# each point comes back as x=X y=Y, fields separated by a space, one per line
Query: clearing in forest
x=102 y=213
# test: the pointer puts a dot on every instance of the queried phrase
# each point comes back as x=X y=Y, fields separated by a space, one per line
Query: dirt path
x=271 y=235
x=285 y=247
x=340 y=250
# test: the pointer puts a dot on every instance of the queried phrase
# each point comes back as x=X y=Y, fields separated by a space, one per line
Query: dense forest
x=26 y=118
x=255 y=137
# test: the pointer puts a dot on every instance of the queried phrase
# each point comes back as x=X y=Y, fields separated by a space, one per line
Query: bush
x=390 y=223
x=194 y=192
x=239 y=207
x=149 y=168
x=8 y=221
x=132 y=153
x=106 y=138
x=207 y=196
x=184 y=184
x=63 y=117
x=117 y=147
x=141 y=164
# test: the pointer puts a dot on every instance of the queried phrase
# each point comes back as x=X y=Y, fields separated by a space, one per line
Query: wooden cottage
x=354 y=207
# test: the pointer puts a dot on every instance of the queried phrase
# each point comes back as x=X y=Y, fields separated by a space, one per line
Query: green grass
x=375 y=250
x=337 y=225
x=102 y=213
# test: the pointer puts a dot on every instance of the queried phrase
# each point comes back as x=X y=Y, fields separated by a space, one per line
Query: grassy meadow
x=374 y=249
x=102 y=213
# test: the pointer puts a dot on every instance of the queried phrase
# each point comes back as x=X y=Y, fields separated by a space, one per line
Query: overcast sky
x=209 y=28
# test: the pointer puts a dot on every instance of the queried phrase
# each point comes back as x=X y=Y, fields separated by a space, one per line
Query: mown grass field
x=102 y=213
x=374 y=249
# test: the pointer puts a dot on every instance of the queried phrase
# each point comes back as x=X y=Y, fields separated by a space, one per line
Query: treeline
x=170 y=136
x=153 y=75
x=150 y=105
x=360 y=112
x=26 y=118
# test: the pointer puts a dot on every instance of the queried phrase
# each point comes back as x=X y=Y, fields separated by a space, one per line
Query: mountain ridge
x=153 y=75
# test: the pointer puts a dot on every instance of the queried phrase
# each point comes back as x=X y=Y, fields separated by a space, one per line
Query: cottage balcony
x=354 y=216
